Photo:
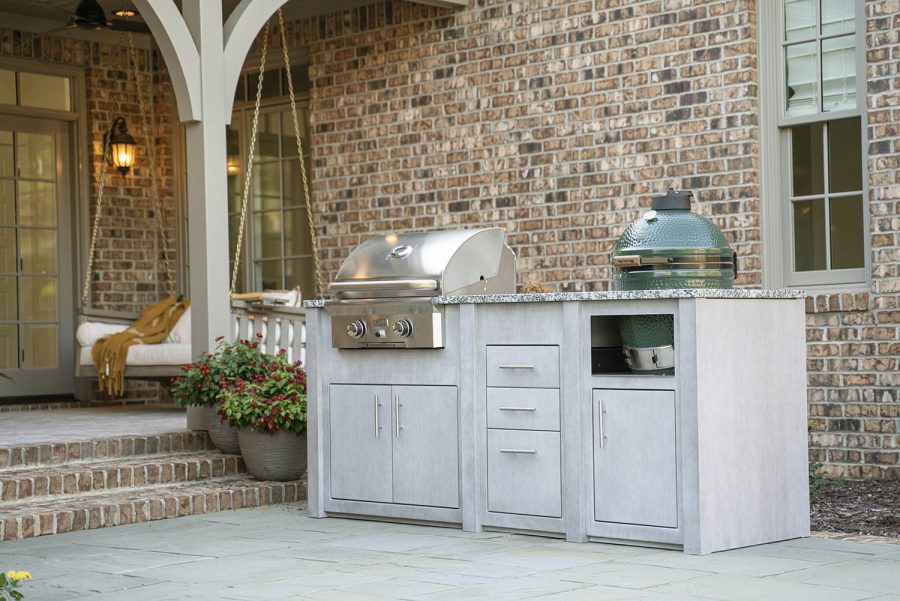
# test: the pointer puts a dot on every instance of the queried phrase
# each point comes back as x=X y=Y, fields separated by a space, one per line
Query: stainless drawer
x=523 y=408
x=524 y=473
x=523 y=366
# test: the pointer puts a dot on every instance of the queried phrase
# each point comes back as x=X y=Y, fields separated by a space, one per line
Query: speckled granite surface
x=559 y=297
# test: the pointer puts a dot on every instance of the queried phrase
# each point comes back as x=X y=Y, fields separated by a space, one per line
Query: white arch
x=243 y=25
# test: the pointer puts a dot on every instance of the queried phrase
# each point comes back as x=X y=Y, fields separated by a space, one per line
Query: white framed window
x=277 y=244
x=812 y=70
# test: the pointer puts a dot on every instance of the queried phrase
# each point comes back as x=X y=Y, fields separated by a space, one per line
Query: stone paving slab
x=29 y=427
x=278 y=553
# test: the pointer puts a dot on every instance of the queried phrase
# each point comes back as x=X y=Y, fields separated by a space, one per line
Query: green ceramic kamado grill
x=668 y=247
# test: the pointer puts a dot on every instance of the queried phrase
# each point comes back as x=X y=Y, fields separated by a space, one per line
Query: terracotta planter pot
x=280 y=456
x=223 y=435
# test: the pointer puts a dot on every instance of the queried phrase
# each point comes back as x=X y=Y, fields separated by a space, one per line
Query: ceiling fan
x=90 y=16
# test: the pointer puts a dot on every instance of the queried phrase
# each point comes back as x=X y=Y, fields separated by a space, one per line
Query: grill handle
x=355 y=285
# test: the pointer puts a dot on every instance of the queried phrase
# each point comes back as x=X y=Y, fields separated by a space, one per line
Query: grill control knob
x=357 y=329
x=403 y=328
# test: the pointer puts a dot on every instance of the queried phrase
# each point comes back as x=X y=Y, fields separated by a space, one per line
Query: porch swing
x=163 y=358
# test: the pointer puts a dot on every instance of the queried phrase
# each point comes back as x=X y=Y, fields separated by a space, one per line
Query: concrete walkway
x=277 y=553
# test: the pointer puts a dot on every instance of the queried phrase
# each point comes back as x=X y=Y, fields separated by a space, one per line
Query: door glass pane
x=9 y=346
x=300 y=75
x=289 y=137
x=44 y=91
x=38 y=250
x=846 y=219
x=844 y=156
x=270 y=87
x=807 y=160
x=838 y=16
x=7 y=87
x=267 y=235
x=838 y=74
x=7 y=250
x=268 y=275
x=34 y=153
x=800 y=66
x=296 y=233
x=269 y=136
x=39 y=346
x=37 y=203
x=293 y=183
x=8 y=290
x=233 y=225
x=809 y=235
x=799 y=19
x=7 y=202
x=7 y=164
x=39 y=296
x=266 y=186
x=301 y=272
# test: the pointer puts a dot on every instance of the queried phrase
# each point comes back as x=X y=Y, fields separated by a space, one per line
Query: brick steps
x=52 y=488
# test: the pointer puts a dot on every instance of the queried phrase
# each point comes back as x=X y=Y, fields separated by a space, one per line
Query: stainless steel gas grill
x=383 y=296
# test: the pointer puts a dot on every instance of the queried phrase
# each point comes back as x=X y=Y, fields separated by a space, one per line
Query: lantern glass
x=122 y=154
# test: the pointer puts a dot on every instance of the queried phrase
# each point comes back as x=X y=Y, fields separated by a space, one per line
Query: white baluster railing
x=278 y=326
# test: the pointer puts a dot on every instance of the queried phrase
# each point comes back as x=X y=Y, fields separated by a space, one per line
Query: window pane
x=7 y=164
x=268 y=138
x=807 y=160
x=838 y=74
x=846 y=219
x=266 y=186
x=301 y=272
x=809 y=235
x=267 y=235
x=271 y=84
x=44 y=91
x=799 y=19
x=268 y=275
x=38 y=250
x=838 y=16
x=8 y=292
x=7 y=87
x=34 y=154
x=844 y=156
x=37 y=203
x=9 y=346
x=7 y=251
x=293 y=183
x=7 y=202
x=296 y=233
x=800 y=66
x=233 y=224
x=38 y=298
x=289 y=138
x=39 y=346
x=300 y=75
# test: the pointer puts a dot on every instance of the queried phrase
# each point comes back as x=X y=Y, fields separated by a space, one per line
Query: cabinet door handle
x=377 y=424
x=518 y=409
x=515 y=366
x=600 y=413
x=397 y=426
x=520 y=451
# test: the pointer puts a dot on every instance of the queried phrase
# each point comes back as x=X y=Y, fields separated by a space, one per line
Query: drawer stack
x=523 y=419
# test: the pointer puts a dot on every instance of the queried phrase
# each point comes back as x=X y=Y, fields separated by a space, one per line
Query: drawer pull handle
x=518 y=409
x=520 y=451
x=514 y=366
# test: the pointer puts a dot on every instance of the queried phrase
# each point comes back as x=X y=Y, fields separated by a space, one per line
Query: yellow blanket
x=152 y=327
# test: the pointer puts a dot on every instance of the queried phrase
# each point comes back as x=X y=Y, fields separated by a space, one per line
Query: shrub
x=205 y=379
x=9 y=582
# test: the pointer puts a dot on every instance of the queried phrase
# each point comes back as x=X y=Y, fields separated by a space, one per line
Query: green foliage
x=269 y=402
x=9 y=582
x=205 y=379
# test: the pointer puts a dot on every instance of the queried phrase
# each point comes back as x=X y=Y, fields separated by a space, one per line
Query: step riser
x=36 y=455
x=83 y=515
x=88 y=479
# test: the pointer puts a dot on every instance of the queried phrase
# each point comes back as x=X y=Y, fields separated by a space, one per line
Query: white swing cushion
x=175 y=350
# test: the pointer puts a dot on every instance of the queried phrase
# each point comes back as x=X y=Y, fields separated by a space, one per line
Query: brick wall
x=557 y=119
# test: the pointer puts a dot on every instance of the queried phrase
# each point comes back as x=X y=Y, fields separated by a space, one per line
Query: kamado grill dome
x=668 y=247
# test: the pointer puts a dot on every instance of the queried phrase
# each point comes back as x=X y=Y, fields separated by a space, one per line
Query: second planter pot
x=278 y=456
x=223 y=435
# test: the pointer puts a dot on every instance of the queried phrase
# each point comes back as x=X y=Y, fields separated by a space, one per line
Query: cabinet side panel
x=315 y=425
x=751 y=405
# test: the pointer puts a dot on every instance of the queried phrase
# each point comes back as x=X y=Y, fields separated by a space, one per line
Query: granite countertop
x=559 y=297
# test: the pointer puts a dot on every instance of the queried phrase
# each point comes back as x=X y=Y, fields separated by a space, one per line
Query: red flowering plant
x=203 y=381
x=268 y=402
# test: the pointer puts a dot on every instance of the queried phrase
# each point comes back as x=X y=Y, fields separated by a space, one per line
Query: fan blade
x=129 y=25
x=67 y=27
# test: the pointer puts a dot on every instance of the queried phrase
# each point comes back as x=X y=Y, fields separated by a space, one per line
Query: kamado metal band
x=637 y=263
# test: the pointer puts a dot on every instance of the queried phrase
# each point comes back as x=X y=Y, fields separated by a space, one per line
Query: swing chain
x=248 y=176
x=86 y=288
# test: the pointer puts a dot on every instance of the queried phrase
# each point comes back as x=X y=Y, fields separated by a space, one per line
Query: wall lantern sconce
x=121 y=146
x=231 y=166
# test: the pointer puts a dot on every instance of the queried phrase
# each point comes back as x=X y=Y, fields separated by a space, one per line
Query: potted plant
x=270 y=411
x=204 y=381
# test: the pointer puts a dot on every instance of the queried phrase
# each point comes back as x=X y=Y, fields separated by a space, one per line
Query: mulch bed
x=858 y=507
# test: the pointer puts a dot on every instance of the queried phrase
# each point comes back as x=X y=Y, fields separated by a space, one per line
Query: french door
x=36 y=303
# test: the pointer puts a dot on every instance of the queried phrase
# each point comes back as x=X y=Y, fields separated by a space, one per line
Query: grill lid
x=424 y=264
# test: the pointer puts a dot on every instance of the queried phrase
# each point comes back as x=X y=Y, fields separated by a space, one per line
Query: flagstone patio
x=278 y=553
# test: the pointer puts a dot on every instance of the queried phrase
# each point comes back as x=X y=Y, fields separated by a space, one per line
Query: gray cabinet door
x=635 y=457
x=360 y=436
x=426 y=446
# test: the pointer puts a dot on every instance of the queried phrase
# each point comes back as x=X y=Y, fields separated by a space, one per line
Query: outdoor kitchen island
x=524 y=421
